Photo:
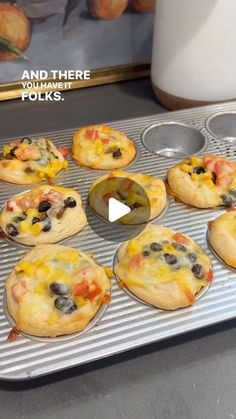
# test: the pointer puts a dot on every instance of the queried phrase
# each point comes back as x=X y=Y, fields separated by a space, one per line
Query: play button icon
x=120 y=200
x=116 y=210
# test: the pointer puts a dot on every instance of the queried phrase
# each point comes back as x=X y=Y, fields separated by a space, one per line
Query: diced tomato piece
x=109 y=195
x=105 y=140
x=217 y=168
x=10 y=205
x=135 y=262
x=80 y=289
x=54 y=197
x=210 y=275
x=94 y=291
x=24 y=203
x=18 y=290
x=180 y=238
x=91 y=133
x=65 y=151
x=224 y=181
x=27 y=153
x=209 y=162
x=85 y=273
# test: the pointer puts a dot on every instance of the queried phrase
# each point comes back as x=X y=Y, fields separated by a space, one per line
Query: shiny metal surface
x=173 y=140
x=127 y=323
x=223 y=125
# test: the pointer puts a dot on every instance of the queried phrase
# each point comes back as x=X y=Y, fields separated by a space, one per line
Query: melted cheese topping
x=135 y=269
x=40 y=149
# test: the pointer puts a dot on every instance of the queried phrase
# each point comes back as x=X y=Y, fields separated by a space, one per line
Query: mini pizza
x=222 y=237
x=101 y=147
x=46 y=214
x=55 y=290
x=163 y=268
x=142 y=193
x=204 y=182
x=30 y=161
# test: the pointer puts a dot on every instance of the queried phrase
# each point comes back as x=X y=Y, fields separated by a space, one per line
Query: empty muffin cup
x=223 y=126
x=173 y=140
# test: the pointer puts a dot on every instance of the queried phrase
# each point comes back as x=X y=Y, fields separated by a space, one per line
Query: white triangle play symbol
x=116 y=210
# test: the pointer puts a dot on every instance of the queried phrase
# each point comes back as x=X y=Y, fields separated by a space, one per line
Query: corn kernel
x=209 y=183
x=6 y=149
x=32 y=212
x=36 y=228
x=186 y=168
x=24 y=226
x=167 y=247
x=194 y=177
x=134 y=247
x=195 y=161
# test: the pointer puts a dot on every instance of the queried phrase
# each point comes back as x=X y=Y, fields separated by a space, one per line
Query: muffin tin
x=127 y=323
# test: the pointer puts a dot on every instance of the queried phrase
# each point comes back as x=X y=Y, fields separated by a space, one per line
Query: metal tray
x=127 y=323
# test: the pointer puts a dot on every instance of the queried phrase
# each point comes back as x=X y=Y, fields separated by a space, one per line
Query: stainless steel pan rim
x=174 y=153
x=230 y=139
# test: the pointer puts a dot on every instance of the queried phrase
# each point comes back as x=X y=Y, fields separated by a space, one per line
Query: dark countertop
x=188 y=377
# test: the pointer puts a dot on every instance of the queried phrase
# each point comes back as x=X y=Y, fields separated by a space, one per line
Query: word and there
x=38 y=85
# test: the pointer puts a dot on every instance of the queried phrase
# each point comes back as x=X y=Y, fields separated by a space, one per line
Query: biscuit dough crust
x=94 y=147
x=30 y=301
x=154 y=281
x=72 y=221
x=206 y=189
x=222 y=237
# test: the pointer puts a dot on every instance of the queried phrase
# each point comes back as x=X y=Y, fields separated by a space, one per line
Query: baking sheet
x=127 y=323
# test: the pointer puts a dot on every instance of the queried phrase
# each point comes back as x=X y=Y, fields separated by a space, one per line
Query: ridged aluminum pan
x=127 y=323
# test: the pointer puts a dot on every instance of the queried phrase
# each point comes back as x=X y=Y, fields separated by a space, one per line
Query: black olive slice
x=70 y=202
x=170 y=259
x=197 y=270
x=65 y=304
x=59 y=288
x=156 y=247
x=11 y=230
x=117 y=154
x=44 y=206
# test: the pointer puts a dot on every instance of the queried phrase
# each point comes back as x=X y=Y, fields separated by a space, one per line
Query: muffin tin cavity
x=223 y=126
x=173 y=140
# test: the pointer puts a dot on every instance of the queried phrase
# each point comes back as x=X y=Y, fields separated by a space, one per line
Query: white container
x=194 y=52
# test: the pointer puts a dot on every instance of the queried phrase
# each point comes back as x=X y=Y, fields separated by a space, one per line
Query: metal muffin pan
x=127 y=323
x=223 y=125
x=173 y=140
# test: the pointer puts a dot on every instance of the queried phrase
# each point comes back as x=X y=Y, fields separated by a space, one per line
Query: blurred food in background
x=107 y=9
x=14 y=32
x=143 y=5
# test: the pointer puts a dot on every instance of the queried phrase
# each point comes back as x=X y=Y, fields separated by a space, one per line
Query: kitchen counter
x=187 y=377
